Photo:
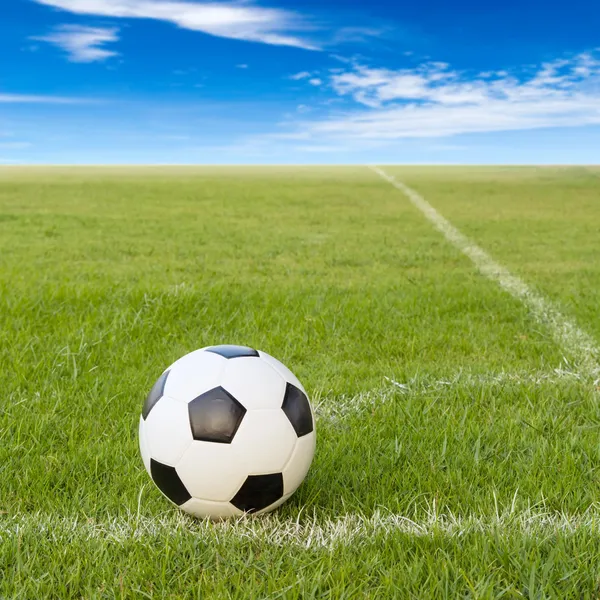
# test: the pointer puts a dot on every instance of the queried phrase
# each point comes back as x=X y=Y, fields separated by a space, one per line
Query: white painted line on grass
x=340 y=407
x=316 y=530
x=581 y=346
x=312 y=531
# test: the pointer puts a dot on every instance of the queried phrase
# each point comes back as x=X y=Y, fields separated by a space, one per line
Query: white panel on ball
x=212 y=510
x=265 y=440
x=194 y=374
x=282 y=370
x=299 y=463
x=254 y=383
x=144 y=450
x=212 y=471
x=168 y=431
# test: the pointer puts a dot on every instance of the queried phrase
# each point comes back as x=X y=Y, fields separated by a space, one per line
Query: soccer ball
x=227 y=430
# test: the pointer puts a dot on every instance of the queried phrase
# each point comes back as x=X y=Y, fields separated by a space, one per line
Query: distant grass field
x=458 y=444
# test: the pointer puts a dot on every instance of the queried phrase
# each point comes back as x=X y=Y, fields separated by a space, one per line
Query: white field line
x=314 y=531
x=338 y=408
x=305 y=532
x=576 y=342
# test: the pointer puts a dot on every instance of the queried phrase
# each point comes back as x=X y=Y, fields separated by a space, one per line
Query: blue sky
x=306 y=81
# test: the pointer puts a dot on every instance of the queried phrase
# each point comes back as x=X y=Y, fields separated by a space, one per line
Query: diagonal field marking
x=580 y=345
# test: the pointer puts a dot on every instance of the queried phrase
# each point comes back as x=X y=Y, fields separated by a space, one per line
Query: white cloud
x=309 y=77
x=301 y=75
x=433 y=100
x=34 y=99
x=236 y=20
x=82 y=44
x=356 y=34
x=242 y=66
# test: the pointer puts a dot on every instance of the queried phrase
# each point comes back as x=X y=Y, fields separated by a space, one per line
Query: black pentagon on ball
x=258 y=492
x=232 y=351
x=156 y=393
x=168 y=482
x=215 y=416
x=297 y=409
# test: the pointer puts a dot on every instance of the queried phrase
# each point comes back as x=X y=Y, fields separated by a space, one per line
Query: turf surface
x=439 y=396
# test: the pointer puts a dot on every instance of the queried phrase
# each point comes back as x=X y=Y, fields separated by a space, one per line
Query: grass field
x=458 y=429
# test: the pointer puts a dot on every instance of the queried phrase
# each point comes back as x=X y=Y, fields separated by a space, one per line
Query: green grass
x=109 y=275
x=542 y=223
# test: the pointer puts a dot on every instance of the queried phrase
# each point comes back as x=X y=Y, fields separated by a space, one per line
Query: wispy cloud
x=34 y=99
x=348 y=35
x=82 y=44
x=300 y=76
x=236 y=20
x=433 y=100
